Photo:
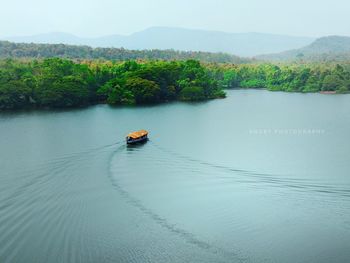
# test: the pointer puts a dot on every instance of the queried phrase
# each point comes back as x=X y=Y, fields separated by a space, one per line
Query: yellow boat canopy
x=138 y=134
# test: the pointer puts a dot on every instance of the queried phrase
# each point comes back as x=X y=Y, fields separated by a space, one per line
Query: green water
x=256 y=177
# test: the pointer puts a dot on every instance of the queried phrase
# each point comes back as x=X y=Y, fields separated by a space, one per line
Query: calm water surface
x=257 y=177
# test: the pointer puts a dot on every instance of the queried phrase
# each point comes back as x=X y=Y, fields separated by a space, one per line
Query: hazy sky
x=103 y=17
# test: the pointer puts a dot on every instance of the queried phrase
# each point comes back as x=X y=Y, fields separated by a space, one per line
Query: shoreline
x=85 y=106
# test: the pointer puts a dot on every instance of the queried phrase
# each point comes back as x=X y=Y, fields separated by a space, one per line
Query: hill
x=241 y=44
x=331 y=48
x=23 y=50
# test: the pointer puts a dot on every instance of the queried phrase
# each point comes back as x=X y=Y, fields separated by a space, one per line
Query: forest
x=62 y=83
x=297 y=77
x=40 y=51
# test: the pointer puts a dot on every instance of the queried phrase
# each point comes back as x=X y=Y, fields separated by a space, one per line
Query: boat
x=328 y=92
x=137 y=137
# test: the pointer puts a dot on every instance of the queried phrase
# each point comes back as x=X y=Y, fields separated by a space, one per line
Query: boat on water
x=137 y=137
x=328 y=92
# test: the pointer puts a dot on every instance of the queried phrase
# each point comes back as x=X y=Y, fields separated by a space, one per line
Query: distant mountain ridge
x=241 y=44
x=328 y=48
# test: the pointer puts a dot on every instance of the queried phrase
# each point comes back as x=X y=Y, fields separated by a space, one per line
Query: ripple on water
x=207 y=206
x=42 y=201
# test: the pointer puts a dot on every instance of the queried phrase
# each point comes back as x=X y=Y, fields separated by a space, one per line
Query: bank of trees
x=60 y=83
x=49 y=83
x=290 y=78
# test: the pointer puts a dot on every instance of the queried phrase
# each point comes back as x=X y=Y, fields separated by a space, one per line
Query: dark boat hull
x=136 y=141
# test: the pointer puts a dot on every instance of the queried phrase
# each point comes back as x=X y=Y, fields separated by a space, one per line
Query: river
x=257 y=177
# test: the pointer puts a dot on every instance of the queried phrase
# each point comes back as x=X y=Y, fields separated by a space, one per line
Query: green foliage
x=14 y=94
x=230 y=79
x=22 y=50
x=67 y=91
x=63 y=83
x=331 y=83
x=253 y=83
x=114 y=93
x=143 y=90
x=289 y=78
x=219 y=93
x=343 y=90
x=60 y=83
x=159 y=81
x=192 y=93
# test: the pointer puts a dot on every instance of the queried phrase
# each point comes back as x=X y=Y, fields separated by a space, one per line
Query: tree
x=331 y=83
x=144 y=91
x=192 y=93
x=14 y=94
x=115 y=93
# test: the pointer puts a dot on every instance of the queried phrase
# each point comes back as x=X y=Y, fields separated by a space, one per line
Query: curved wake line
x=57 y=162
x=187 y=236
x=60 y=163
x=293 y=183
x=16 y=220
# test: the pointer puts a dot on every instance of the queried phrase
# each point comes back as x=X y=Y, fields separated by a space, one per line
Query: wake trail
x=267 y=178
x=41 y=175
x=164 y=223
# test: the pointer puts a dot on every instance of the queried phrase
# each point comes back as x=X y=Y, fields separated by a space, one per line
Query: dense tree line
x=62 y=83
x=37 y=51
x=291 y=78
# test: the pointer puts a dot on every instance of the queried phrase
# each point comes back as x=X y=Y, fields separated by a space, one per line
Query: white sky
x=104 y=17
